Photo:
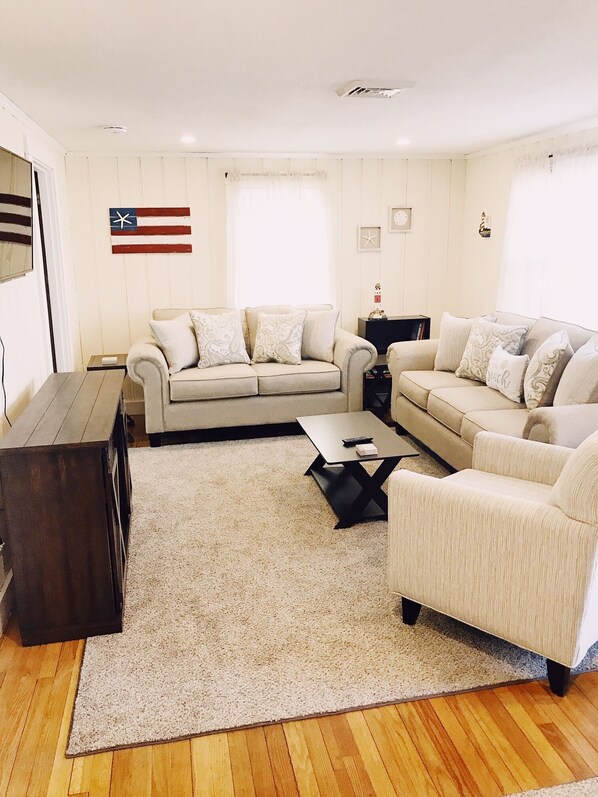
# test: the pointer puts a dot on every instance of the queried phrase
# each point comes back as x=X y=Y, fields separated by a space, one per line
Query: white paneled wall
x=116 y=293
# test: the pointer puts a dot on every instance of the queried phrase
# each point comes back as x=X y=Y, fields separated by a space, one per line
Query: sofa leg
x=399 y=429
x=559 y=677
x=155 y=440
x=411 y=611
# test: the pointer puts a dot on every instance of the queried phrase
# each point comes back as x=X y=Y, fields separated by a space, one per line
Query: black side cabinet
x=383 y=332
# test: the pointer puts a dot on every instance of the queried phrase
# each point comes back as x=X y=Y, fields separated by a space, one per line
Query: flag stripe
x=131 y=249
x=15 y=199
x=15 y=218
x=163 y=211
x=14 y=237
x=158 y=230
x=151 y=221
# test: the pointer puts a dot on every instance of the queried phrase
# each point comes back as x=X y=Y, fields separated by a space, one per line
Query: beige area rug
x=245 y=606
x=582 y=788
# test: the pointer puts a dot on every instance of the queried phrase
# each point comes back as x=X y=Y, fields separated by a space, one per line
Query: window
x=278 y=239
x=550 y=256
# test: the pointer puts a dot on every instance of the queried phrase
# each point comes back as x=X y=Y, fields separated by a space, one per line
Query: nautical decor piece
x=377 y=311
x=400 y=220
x=369 y=239
x=484 y=229
x=150 y=230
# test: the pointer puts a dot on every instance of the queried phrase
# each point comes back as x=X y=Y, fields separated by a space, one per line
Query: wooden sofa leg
x=559 y=677
x=411 y=611
x=155 y=439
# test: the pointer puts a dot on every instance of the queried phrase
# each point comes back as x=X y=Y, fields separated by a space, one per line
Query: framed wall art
x=400 y=219
x=369 y=239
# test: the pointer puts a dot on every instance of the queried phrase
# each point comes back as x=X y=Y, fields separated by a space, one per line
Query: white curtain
x=550 y=255
x=278 y=239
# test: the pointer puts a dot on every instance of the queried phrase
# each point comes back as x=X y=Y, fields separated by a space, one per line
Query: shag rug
x=245 y=606
x=582 y=788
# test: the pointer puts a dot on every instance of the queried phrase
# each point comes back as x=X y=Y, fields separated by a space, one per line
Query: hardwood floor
x=481 y=744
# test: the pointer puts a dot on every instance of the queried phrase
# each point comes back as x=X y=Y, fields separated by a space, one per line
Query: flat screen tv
x=16 y=205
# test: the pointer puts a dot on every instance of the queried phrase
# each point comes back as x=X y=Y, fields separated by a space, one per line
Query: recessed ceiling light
x=403 y=142
x=188 y=139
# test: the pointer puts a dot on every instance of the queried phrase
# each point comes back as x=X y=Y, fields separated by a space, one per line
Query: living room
x=448 y=176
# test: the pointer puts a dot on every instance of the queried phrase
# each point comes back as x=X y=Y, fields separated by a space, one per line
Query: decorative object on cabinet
x=377 y=313
x=400 y=219
x=485 y=228
x=67 y=500
x=369 y=239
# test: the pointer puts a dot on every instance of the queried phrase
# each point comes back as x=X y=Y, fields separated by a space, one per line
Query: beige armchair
x=509 y=546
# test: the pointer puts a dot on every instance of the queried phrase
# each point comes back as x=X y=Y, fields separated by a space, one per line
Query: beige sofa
x=446 y=412
x=247 y=394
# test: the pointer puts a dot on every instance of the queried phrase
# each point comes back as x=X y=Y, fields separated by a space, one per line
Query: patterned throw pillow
x=506 y=373
x=219 y=338
x=318 y=335
x=546 y=366
x=278 y=338
x=176 y=339
x=579 y=382
x=483 y=339
x=454 y=333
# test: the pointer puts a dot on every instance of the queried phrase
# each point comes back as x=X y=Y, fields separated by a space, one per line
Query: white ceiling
x=261 y=75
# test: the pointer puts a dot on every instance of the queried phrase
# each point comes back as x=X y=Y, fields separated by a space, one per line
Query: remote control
x=353 y=441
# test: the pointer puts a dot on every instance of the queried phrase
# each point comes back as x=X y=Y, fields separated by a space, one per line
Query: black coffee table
x=353 y=493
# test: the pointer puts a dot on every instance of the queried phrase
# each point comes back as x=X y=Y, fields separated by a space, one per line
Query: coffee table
x=353 y=493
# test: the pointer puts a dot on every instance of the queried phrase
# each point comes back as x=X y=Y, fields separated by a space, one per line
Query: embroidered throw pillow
x=454 y=333
x=176 y=339
x=546 y=366
x=220 y=338
x=278 y=338
x=579 y=382
x=483 y=339
x=506 y=373
x=318 y=335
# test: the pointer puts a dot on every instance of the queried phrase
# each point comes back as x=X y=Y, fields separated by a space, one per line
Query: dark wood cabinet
x=66 y=486
x=383 y=332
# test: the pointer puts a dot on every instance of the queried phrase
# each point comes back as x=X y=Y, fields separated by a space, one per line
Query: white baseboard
x=7 y=601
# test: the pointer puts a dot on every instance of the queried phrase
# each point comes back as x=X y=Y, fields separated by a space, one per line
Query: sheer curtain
x=550 y=256
x=278 y=239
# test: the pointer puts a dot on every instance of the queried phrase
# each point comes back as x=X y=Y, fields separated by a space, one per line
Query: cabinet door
x=118 y=553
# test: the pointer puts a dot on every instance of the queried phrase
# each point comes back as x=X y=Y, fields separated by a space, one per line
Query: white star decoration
x=122 y=220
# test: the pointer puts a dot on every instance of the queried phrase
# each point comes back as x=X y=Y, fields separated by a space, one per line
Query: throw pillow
x=219 y=338
x=278 y=338
x=545 y=369
x=506 y=373
x=318 y=335
x=483 y=339
x=579 y=382
x=176 y=339
x=454 y=333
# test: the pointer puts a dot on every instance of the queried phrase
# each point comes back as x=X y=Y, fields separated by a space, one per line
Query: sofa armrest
x=354 y=356
x=568 y=425
x=520 y=459
x=408 y=355
x=495 y=562
x=147 y=366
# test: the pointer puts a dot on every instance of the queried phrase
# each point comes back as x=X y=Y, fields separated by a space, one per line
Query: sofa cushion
x=579 y=382
x=454 y=333
x=221 y=381
x=310 y=376
x=543 y=328
x=545 y=368
x=318 y=335
x=176 y=338
x=483 y=340
x=220 y=338
x=251 y=315
x=416 y=385
x=449 y=405
x=510 y=422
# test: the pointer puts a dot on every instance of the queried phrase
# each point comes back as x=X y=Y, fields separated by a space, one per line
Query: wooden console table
x=66 y=486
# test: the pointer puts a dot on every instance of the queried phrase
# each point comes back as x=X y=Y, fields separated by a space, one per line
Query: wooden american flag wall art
x=149 y=230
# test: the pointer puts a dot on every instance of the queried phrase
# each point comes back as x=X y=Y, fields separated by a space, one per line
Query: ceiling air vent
x=374 y=88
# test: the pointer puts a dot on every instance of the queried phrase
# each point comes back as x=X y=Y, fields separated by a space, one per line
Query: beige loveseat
x=446 y=412
x=243 y=394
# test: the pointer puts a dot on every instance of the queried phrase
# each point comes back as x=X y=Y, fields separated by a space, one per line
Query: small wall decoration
x=484 y=229
x=150 y=230
x=369 y=239
x=377 y=311
x=400 y=219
